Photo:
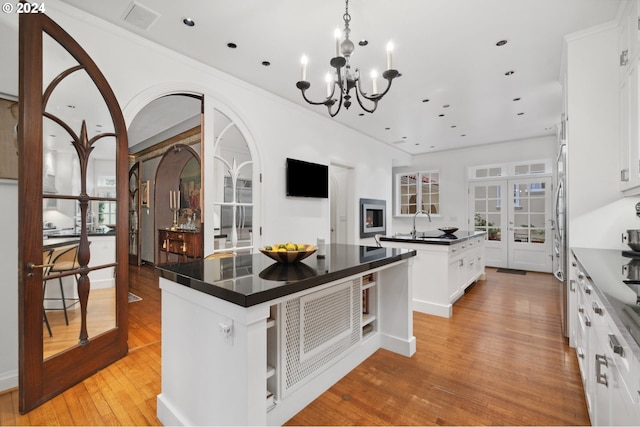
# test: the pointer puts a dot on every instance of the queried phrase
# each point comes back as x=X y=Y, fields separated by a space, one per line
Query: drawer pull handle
x=615 y=345
x=581 y=309
x=587 y=290
x=587 y=321
x=596 y=308
x=580 y=352
x=600 y=377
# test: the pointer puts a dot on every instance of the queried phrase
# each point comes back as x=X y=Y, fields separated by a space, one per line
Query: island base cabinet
x=442 y=273
x=213 y=360
x=225 y=364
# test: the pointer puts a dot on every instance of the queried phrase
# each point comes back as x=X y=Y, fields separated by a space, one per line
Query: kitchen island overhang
x=236 y=328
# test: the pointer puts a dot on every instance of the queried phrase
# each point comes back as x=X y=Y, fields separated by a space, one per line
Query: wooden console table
x=184 y=243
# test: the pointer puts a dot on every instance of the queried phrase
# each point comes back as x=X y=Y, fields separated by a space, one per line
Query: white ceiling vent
x=140 y=16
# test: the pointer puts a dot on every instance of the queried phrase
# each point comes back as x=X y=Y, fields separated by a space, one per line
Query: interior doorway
x=341 y=198
x=165 y=122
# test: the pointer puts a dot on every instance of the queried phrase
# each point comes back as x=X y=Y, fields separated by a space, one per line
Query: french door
x=73 y=159
x=516 y=214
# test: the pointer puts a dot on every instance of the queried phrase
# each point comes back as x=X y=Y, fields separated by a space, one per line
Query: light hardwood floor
x=500 y=360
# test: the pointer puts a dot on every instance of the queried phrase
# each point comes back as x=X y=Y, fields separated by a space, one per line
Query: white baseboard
x=398 y=345
x=432 y=308
x=168 y=414
x=8 y=380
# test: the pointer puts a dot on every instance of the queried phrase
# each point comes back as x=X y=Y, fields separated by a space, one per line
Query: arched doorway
x=177 y=204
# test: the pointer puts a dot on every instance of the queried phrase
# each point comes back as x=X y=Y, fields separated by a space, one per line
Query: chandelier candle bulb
x=327 y=79
x=303 y=62
x=389 y=51
x=337 y=35
x=374 y=82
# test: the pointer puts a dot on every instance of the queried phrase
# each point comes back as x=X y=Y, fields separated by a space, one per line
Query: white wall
x=453 y=165
x=140 y=71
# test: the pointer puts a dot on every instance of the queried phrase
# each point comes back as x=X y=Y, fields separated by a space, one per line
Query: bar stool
x=46 y=257
x=63 y=259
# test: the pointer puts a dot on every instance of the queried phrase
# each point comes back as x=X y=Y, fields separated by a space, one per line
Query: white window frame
x=419 y=175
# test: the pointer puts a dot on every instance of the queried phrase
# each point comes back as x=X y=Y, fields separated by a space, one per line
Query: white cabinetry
x=442 y=272
x=610 y=372
x=466 y=264
x=628 y=46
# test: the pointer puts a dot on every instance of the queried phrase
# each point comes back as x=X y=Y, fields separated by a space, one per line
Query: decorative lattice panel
x=318 y=328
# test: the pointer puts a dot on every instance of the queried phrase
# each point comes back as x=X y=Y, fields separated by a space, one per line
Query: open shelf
x=369 y=304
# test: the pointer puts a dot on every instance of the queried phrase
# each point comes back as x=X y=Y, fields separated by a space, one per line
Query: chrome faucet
x=413 y=232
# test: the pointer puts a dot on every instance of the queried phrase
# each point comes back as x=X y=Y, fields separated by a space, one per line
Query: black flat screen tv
x=306 y=179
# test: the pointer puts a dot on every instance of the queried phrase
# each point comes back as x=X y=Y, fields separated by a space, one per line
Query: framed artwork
x=145 y=194
x=8 y=138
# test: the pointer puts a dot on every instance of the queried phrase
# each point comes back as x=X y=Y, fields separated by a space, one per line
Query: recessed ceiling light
x=404 y=137
x=453 y=126
x=463 y=134
x=440 y=115
x=363 y=42
x=517 y=99
x=188 y=22
x=501 y=43
x=387 y=128
x=425 y=100
x=509 y=73
x=445 y=106
x=361 y=114
x=232 y=45
x=417 y=143
x=266 y=63
x=521 y=114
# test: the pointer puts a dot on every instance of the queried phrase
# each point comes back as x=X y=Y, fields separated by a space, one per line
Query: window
x=418 y=191
x=106 y=214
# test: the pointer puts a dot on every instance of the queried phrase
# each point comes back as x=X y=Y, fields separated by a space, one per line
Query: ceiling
x=454 y=90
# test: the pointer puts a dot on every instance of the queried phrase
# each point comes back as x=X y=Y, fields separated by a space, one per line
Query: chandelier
x=344 y=79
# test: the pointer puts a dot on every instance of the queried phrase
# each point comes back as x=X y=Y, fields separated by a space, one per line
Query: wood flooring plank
x=500 y=360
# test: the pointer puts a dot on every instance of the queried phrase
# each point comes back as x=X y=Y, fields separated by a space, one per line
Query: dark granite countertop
x=64 y=234
x=248 y=280
x=434 y=237
x=609 y=269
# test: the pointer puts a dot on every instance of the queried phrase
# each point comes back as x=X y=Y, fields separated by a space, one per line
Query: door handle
x=30 y=266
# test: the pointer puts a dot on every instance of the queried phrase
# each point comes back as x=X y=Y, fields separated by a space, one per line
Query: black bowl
x=448 y=230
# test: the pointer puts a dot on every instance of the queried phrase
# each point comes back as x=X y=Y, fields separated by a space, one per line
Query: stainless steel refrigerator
x=560 y=255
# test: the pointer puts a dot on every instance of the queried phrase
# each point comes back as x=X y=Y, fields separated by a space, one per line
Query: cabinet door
x=629 y=135
x=457 y=269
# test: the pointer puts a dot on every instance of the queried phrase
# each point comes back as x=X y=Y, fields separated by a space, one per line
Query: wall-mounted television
x=306 y=179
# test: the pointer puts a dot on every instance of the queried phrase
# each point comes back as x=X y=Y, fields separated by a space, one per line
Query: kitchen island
x=247 y=341
x=445 y=266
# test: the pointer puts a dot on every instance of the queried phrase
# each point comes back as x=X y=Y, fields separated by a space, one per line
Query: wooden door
x=64 y=99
